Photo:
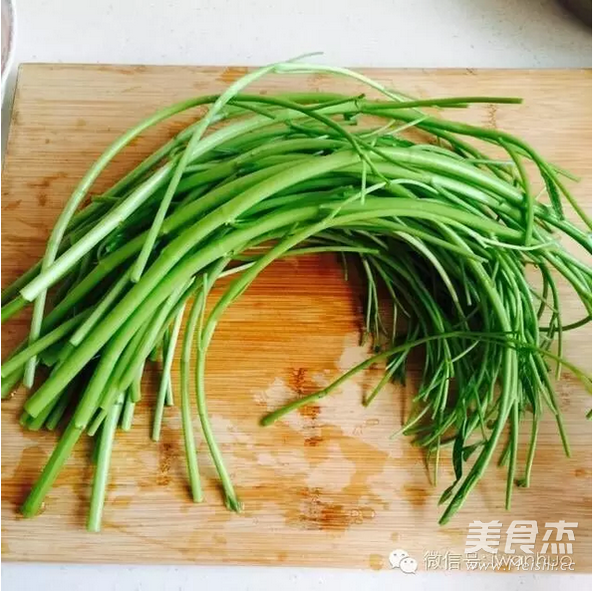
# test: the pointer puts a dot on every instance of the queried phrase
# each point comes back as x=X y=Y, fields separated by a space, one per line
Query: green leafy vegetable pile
x=448 y=234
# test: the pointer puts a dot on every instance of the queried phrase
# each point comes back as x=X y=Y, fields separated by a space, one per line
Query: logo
x=401 y=559
x=524 y=545
x=521 y=534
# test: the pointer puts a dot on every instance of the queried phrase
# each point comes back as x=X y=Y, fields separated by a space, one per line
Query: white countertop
x=402 y=33
x=416 y=33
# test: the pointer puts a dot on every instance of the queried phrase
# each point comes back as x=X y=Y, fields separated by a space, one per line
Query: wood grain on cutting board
x=326 y=486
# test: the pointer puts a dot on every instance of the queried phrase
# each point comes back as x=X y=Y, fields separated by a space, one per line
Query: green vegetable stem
x=445 y=235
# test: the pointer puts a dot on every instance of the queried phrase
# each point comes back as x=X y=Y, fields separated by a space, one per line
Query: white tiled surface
x=403 y=33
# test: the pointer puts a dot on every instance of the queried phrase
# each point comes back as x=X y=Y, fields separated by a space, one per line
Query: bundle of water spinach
x=447 y=234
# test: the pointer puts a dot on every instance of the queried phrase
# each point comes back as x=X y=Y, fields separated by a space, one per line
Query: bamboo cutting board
x=326 y=486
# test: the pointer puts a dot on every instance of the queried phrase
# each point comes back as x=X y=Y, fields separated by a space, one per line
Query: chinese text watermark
x=484 y=549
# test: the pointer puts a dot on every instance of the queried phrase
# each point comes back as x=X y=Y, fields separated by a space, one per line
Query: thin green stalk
x=135 y=388
x=186 y=414
x=127 y=415
x=103 y=466
x=166 y=374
